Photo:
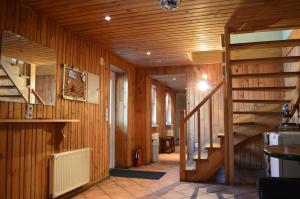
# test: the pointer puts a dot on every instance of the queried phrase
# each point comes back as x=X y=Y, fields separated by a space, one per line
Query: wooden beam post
x=182 y=146
x=228 y=116
x=210 y=123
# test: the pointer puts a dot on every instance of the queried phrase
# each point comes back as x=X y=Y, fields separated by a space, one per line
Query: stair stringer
x=205 y=168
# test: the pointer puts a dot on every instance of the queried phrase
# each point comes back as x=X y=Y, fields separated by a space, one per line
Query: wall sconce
x=204 y=84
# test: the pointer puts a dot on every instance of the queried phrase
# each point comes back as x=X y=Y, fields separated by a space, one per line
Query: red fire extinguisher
x=138 y=157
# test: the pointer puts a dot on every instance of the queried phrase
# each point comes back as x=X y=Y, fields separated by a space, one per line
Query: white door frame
x=112 y=123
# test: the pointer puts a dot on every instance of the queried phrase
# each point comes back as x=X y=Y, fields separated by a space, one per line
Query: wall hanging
x=74 y=83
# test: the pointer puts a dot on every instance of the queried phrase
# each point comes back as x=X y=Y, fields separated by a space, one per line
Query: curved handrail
x=188 y=116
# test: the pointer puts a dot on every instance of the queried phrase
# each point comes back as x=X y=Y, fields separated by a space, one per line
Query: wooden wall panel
x=143 y=114
x=25 y=148
x=249 y=154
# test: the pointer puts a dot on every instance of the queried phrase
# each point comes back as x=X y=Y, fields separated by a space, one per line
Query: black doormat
x=136 y=174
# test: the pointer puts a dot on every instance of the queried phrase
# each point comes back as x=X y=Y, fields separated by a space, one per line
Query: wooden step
x=266 y=75
x=204 y=156
x=282 y=88
x=256 y=112
x=244 y=123
x=261 y=101
x=7 y=87
x=12 y=96
x=205 y=168
x=214 y=146
x=4 y=77
x=265 y=44
x=236 y=139
x=266 y=60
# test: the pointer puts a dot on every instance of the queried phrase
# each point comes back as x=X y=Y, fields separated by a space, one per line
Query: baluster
x=199 y=135
x=182 y=145
x=210 y=122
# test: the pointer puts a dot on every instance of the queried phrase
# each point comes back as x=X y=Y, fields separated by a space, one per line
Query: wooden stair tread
x=244 y=123
x=261 y=101
x=236 y=139
x=268 y=60
x=13 y=96
x=204 y=156
x=215 y=145
x=7 y=87
x=265 y=44
x=266 y=75
x=257 y=112
x=4 y=77
x=282 y=88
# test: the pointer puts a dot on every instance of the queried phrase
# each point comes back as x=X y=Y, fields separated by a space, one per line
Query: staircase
x=15 y=87
x=247 y=124
x=9 y=86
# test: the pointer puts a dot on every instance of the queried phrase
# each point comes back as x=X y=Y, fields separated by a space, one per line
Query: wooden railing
x=183 y=121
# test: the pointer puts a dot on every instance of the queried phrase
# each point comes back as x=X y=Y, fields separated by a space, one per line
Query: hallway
x=168 y=186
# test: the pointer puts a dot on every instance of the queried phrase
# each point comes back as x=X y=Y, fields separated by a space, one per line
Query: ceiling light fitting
x=107 y=18
x=169 y=5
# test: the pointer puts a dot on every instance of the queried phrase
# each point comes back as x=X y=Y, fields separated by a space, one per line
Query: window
x=153 y=94
x=168 y=109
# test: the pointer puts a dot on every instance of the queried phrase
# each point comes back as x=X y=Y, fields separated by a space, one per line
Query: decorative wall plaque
x=74 y=84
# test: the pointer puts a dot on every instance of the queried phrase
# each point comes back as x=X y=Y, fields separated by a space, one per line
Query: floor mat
x=136 y=174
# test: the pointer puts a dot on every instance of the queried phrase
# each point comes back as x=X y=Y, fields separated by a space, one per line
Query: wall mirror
x=27 y=71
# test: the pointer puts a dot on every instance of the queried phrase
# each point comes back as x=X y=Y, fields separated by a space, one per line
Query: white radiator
x=68 y=171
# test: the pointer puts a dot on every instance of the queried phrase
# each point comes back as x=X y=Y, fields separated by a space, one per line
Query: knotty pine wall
x=25 y=148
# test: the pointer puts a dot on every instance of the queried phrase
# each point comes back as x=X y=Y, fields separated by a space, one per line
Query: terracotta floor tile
x=168 y=187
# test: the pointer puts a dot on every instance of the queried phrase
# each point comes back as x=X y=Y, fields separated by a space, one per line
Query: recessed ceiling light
x=148 y=53
x=107 y=18
x=174 y=78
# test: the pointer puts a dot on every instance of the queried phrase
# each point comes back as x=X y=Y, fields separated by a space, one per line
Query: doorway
x=118 y=120
x=112 y=125
x=168 y=97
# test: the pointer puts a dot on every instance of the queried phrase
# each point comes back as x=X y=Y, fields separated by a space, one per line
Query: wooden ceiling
x=140 y=25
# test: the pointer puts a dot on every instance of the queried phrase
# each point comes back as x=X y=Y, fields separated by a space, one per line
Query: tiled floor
x=168 y=186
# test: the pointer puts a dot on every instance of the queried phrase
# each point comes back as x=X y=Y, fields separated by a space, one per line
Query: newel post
x=228 y=114
x=182 y=145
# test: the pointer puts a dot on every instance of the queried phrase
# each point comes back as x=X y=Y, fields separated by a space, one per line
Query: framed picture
x=74 y=84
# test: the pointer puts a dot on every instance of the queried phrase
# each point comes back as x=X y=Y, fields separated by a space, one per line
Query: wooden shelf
x=38 y=120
